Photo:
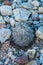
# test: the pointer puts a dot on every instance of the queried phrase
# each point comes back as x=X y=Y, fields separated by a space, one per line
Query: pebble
x=21 y=14
x=39 y=32
x=31 y=53
x=5 y=10
x=4 y=34
x=12 y=21
x=36 y=2
x=41 y=10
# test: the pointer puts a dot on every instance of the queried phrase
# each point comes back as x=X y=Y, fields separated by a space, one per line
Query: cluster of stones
x=21 y=25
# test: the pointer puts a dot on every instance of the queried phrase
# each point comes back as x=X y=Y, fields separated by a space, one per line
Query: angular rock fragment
x=21 y=14
x=4 y=34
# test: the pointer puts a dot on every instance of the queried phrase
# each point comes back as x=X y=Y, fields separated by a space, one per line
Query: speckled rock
x=22 y=34
x=21 y=14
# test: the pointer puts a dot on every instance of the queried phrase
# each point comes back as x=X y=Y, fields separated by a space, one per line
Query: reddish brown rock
x=21 y=59
x=6 y=2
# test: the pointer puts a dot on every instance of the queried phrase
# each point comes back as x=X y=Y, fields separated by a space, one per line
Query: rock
x=22 y=34
x=6 y=10
x=41 y=10
x=32 y=63
x=41 y=58
x=12 y=21
x=2 y=22
x=6 y=19
x=7 y=2
x=6 y=45
x=31 y=53
x=6 y=62
x=21 y=14
x=41 y=17
x=26 y=5
x=35 y=2
x=4 y=34
x=21 y=59
x=39 y=32
x=35 y=16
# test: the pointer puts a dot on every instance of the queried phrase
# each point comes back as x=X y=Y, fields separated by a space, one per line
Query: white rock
x=35 y=3
x=21 y=14
x=4 y=34
x=41 y=10
x=12 y=21
x=6 y=10
x=39 y=32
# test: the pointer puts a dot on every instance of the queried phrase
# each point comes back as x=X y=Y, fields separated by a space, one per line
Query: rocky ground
x=21 y=32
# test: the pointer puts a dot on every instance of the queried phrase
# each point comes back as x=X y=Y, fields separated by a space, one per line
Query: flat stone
x=41 y=10
x=39 y=32
x=21 y=14
x=4 y=34
x=6 y=10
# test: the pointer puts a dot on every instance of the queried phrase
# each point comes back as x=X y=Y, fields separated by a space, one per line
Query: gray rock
x=4 y=34
x=22 y=34
x=21 y=14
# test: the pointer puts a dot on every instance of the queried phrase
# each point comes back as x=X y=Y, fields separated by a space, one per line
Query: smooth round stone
x=22 y=34
x=41 y=10
x=39 y=33
x=6 y=10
